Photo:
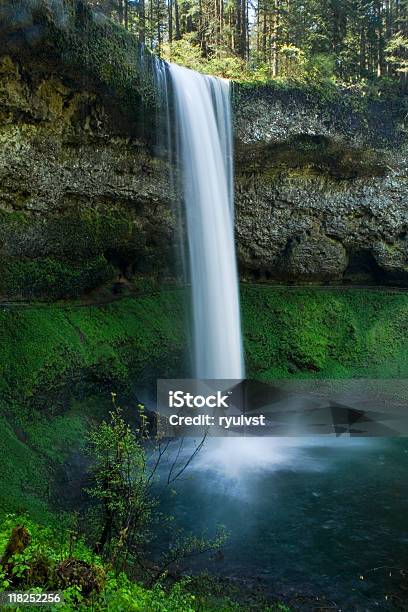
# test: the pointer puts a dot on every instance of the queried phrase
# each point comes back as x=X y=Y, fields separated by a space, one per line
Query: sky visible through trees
x=351 y=40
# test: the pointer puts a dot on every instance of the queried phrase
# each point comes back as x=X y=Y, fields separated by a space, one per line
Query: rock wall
x=321 y=177
x=322 y=187
x=79 y=204
x=84 y=199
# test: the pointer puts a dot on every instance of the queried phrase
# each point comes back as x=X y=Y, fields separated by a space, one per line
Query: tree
x=396 y=53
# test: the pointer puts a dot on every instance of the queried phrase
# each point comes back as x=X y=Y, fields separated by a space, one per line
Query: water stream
x=203 y=128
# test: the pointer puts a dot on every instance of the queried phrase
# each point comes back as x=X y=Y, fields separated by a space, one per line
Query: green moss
x=32 y=279
x=321 y=332
x=314 y=330
x=32 y=454
x=24 y=476
x=325 y=333
x=90 y=232
x=45 y=348
x=49 y=356
x=66 y=255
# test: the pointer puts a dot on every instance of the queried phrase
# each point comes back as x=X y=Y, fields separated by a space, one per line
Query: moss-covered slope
x=58 y=367
x=46 y=349
x=325 y=333
x=60 y=364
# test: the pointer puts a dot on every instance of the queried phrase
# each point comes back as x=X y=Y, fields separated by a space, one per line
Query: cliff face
x=321 y=184
x=83 y=198
x=79 y=204
x=322 y=187
x=85 y=201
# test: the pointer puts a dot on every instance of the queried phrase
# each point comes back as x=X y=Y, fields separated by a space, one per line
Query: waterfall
x=202 y=124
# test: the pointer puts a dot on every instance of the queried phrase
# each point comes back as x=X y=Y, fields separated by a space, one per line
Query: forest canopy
x=349 y=41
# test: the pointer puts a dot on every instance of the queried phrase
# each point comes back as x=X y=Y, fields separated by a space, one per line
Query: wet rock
x=79 y=205
x=393 y=259
x=321 y=187
x=314 y=258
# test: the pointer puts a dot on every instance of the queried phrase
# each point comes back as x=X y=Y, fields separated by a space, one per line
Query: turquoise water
x=307 y=518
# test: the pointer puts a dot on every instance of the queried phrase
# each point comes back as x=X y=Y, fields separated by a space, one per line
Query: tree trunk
x=158 y=26
x=243 y=37
x=120 y=11
x=126 y=14
x=264 y=35
x=275 y=43
x=170 y=12
x=380 y=40
x=142 y=22
x=151 y=23
x=237 y=29
x=177 y=20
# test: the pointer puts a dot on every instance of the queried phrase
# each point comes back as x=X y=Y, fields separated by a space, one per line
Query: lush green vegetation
x=348 y=41
x=58 y=368
x=45 y=564
x=87 y=559
x=324 y=333
x=32 y=279
x=49 y=351
x=45 y=264
x=47 y=348
x=59 y=364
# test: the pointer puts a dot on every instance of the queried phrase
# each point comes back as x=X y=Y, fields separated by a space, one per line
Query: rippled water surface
x=308 y=517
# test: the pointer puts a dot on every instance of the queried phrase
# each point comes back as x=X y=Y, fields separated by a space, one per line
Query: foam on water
x=240 y=458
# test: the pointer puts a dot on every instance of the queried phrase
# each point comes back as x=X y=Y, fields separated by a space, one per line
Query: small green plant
x=110 y=591
x=120 y=487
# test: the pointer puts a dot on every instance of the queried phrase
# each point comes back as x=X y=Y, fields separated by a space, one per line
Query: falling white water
x=203 y=127
x=202 y=124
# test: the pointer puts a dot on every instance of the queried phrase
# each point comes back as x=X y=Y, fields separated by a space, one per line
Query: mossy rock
x=86 y=47
x=31 y=279
x=54 y=257
x=324 y=333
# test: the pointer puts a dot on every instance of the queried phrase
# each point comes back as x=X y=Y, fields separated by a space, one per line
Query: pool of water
x=308 y=518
